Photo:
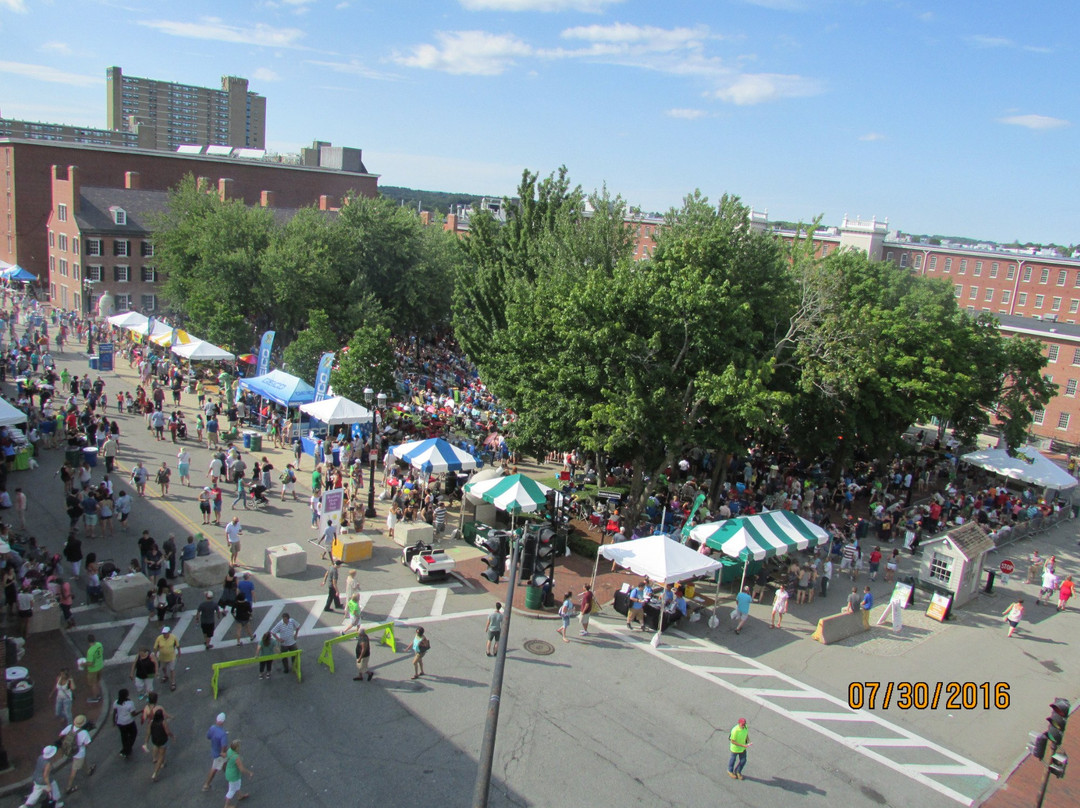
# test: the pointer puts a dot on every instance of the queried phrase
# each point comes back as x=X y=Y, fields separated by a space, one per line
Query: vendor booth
x=128 y=319
x=198 y=350
x=434 y=456
x=1028 y=466
x=336 y=411
x=953 y=561
x=281 y=388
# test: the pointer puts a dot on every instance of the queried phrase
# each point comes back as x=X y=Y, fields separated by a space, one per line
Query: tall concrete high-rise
x=184 y=114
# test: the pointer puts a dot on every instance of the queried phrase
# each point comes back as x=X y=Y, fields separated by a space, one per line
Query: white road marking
x=776 y=701
x=398 y=607
x=129 y=641
x=440 y=601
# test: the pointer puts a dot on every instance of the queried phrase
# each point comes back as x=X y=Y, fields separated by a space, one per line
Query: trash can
x=336 y=454
x=256 y=442
x=247 y=440
x=90 y=456
x=533 y=597
x=73 y=456
x=93 y=362
x=20 y=701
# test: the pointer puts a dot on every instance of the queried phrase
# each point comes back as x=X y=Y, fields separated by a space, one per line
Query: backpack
x=69 y=744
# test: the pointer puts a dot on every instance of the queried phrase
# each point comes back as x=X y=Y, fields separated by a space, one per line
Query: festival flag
x=263 y=367
x=322 y=378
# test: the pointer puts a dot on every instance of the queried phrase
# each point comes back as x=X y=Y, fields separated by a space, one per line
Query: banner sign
x=322 y=378
x=105 y=356
x=263 y=366
x=689 y=524
x=333 y=503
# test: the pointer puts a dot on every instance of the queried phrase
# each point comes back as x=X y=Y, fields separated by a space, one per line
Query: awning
x=434 y=456
x=761 y=536
x=281 y=388
x=200 y=350
x=10 y=414
x=1029 y=466
x=337 y=410
x=660 y=559
x=128 y=319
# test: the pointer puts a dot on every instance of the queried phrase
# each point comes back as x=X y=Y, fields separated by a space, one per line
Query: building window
x=918 y=261
x=75 y=245
x=1039 y=301
x=121 y=274
x=1038 y=417
x=989 y=296
x=1074 y=306
x=1055 y=304
x=1006 y=295
x=123 y=302
x=941 y=568
x=904 y=260
x=889 y=256
x=75 y=273
x=958 y=290
x=1052 y=353
x=94 y=247
x=963 y=266
x=52 y=239
x=1021 y=299
x=95 y=273
x=1076 y=283
x=1027 y=274
x=978 y=269
x=1044 y=276
x=971 y=308
x=993 y=270
x=933 y=262
x=149 y=274
x=52 y=292
x=61 y=212
x=121 y=247
x=62 y=242
x=1061 y=277
x=149 y=302
x=948 y=264
x=147 y=249
x=1076 y=357
x=63 y=268
x=1070 y=388
x=1011 y=272
x=119 y=216
x=974 y=293
x=1063 y=421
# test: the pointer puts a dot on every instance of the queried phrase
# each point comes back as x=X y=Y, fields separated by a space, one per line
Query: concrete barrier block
x=285 y=559
x=841 y=626
x=205 y=572
x=406 y=534
x=126 y=592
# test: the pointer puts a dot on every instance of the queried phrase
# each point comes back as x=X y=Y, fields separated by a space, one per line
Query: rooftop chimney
x=132 y=181
x=266 y=199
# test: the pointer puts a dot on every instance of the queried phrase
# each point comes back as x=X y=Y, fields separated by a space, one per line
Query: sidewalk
x=1022 y=786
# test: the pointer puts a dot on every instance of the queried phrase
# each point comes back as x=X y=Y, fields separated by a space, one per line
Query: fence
x=326 y=656
x=236 y=663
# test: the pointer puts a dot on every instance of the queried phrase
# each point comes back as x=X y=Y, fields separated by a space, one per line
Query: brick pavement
x=1022 y=786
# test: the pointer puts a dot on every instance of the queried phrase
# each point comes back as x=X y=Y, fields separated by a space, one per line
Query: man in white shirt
x=78 y=756
x=214 y=471
x=232 y=536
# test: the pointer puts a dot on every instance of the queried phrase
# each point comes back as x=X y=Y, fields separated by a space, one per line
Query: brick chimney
x=324 y=202
x=266 y=199
x=204 y=184
x=132 y=181
x=225 y=189
x=425 y=217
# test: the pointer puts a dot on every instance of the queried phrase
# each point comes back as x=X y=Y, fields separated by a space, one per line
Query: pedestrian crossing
x=404 y=605
x=861 y=731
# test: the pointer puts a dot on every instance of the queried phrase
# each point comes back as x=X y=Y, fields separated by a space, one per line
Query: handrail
x=235 y=663
x=326 y=656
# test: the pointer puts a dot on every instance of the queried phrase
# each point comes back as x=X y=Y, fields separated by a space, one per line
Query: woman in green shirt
x=234 y=767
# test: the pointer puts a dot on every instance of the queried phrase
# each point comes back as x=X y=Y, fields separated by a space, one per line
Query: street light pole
x=369 y=513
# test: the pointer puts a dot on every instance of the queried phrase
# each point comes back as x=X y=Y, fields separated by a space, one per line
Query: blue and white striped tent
x=435 y=456
x=761 y=536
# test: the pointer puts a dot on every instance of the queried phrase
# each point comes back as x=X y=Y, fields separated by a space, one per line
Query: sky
x=956 y=118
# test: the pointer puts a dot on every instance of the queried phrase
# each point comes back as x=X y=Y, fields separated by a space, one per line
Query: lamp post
x=369 y=396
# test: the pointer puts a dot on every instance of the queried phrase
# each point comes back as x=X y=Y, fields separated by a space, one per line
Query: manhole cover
x=539 y=647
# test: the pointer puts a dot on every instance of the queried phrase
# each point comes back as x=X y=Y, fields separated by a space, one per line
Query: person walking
x=142 y=672
x=139 y=474
x=73 y=742
x=566 y=611
x=234 y=767
x=329 y=534
x=95 y=663
x=352 y=613
x=741 y=613
x=1014 y=614
x=587 y=602
x=779 y=607
x=363 y=654
x=160 y=734
x=494 y=630
x=286 y=633
x=166 y=650
x=739 y=742
x=219 y=742
x=233 y=531
x=1065 y=593
x=183 y=466
x=288 y=482
x=637 y=606
x=215 y=494
x=44 y=784
x=65 y=694
x=420 y=646
x=330 y=581
x=241 y=612
x=207 y=617
x=267 y=646
x=124 y=721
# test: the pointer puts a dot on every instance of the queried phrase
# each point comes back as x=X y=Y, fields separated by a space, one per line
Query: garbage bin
x=93 y=362
x=247 y=440
x=20 y=701
x=336 y=454
x=73 y=456
x=256 y=442
x=533 y=597
x=90 y=456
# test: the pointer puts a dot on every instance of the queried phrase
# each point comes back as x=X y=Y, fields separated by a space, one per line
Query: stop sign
x=1007 y=567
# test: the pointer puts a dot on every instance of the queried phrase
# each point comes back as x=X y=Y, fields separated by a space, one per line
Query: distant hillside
x=440 y=201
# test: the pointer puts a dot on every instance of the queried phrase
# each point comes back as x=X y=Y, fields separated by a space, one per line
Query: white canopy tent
x=200 y=350
x=660 y=558
x=128 y=319
x=337 y=410
x=160 y=328
x=10 y=414
x=1029 y=466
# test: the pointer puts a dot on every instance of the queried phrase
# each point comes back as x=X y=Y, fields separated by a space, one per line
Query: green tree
x=368 y=361
x=302 y=355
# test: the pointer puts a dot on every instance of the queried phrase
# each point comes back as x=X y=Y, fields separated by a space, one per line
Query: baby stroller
x=256 y=496
x=181 y=429
x=172 y=607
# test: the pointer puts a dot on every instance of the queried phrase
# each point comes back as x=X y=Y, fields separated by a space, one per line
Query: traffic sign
x=1007 y=567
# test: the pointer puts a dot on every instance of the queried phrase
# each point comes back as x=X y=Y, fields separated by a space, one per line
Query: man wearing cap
x=43 y=779
x=330 y=581
x=166 y=650
x=207 y=615
x=219 y=742
x=78 y=757
x=740 y=741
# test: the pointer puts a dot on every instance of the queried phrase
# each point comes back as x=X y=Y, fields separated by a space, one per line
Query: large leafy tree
x=302 y=355
x=368 y=361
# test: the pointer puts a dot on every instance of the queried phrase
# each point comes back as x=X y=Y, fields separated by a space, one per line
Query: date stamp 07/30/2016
x=928 y=695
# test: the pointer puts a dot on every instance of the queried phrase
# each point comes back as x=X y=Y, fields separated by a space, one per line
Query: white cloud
x=870 y=137
x=686 y=114
x=213 y=28
x=646 y=36
x=590 y=6
x=342 y=6
x=14 y=5
x=265 y=74
x=353 y=67
x=475 y=53
x=984 y=41
x=927 y=16
x=755 y=88
x=1037 y=122
x=779 y=5
x=61 y=48
x=50 y=74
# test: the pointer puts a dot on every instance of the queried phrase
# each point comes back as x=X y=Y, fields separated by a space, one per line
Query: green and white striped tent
x=761 y=536
x=513 y=494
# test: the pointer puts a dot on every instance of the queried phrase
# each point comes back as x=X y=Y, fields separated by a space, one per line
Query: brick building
x=26 y=176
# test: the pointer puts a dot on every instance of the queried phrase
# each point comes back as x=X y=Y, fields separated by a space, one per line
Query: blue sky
x=957 y=118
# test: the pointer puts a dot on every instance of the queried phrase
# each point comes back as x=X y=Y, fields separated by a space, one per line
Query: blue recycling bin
x=247 y=440
x=336 y=454
x=90 y=456
x=94 y=362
